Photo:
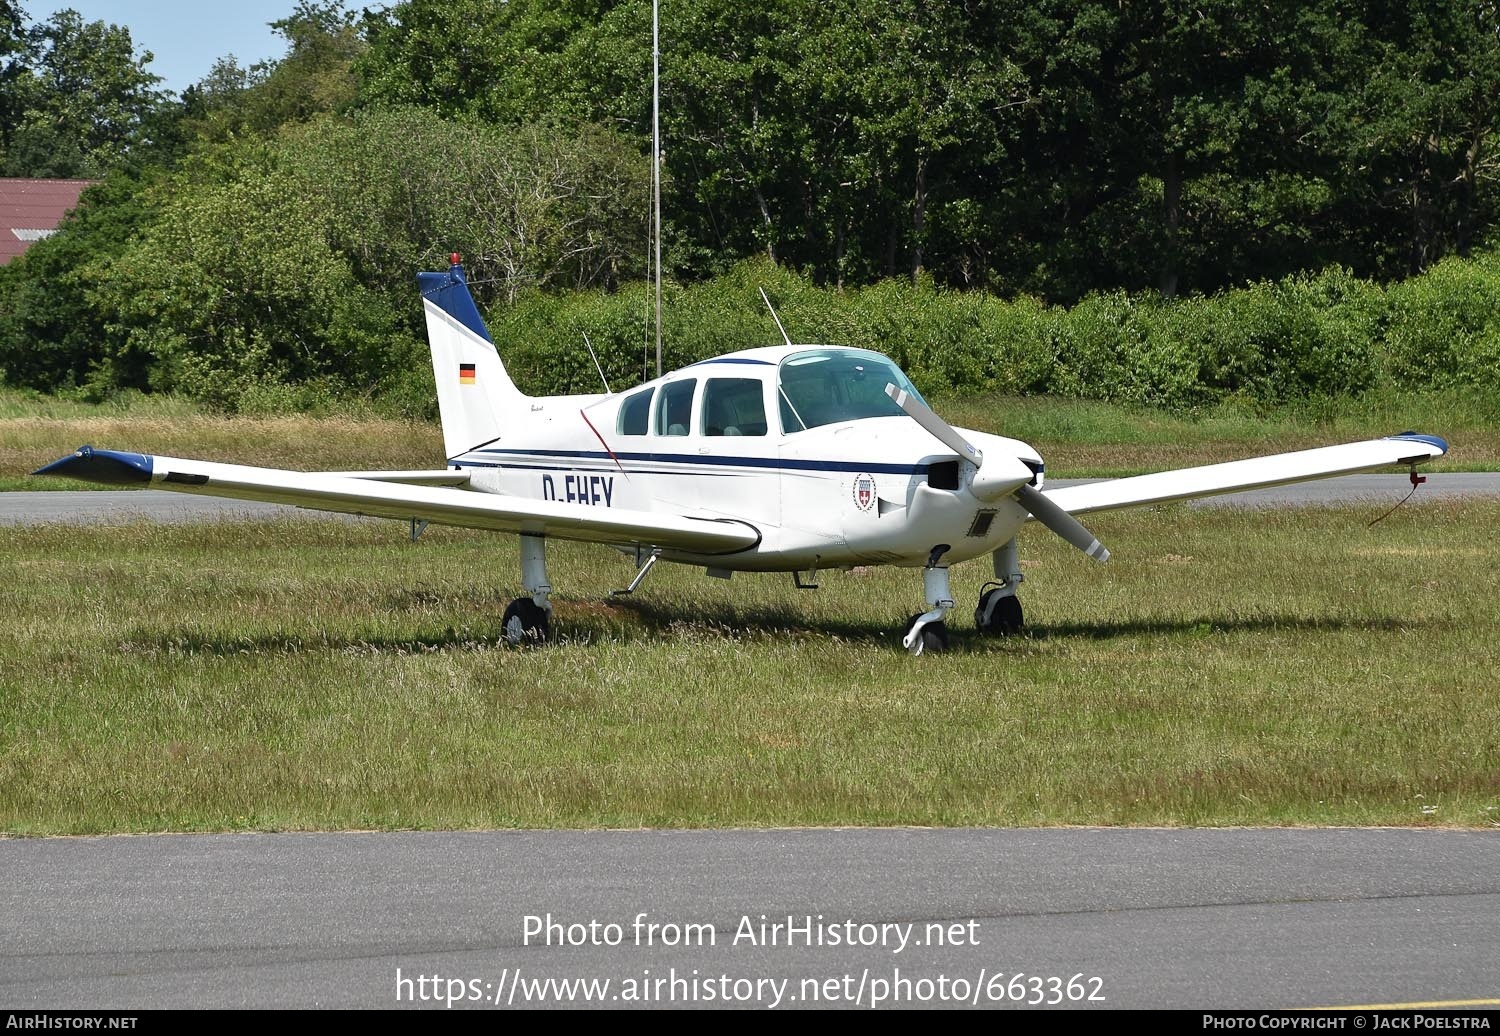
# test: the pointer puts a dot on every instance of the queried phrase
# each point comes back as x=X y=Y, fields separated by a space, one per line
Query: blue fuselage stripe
x=602 y=469
x=694 y=460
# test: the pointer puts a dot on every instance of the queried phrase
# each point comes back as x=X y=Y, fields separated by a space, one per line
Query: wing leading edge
x=324 y=491
x=1257 y=473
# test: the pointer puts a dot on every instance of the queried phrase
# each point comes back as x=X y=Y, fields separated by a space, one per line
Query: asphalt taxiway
x=1160 y=918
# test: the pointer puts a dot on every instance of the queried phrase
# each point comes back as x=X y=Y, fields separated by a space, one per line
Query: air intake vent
x=943 y=475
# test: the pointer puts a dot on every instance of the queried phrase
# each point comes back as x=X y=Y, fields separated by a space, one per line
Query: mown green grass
x=1224 y=668
x=1076 y=437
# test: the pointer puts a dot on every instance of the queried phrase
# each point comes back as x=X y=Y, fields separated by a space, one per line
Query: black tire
x=525 y=622
x=934 y=636
x=1007 y=619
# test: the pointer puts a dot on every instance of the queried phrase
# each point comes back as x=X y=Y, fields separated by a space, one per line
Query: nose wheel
x=927 y=633
x=931 y=638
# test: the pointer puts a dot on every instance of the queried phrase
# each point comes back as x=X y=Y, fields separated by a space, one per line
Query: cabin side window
x=635 y=414
x=674 y=408
x=734 y=406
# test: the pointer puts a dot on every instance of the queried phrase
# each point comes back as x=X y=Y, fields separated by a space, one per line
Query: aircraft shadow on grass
x=596 y=624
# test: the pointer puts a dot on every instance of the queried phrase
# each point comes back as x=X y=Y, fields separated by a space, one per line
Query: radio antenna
x=656 y=166
x=784 y=336
x=607 y=390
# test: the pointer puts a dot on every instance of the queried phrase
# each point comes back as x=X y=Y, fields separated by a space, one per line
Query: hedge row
x=1329 y=334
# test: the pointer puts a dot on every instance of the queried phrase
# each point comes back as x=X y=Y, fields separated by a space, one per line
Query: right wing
x=1257 y=473
x=323 y=491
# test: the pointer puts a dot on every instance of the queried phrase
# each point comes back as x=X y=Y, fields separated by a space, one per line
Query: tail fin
x=476 y=398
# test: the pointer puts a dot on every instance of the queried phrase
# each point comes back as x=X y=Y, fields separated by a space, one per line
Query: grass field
x=1076 y=438
x=1224 y=668
x=37 y=430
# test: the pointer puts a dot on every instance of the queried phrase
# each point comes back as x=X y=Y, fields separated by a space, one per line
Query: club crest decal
x=864 y=491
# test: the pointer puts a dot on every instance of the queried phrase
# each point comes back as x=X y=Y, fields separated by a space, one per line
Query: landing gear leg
x=527 y=620
x=928 y=632
x=999 y=610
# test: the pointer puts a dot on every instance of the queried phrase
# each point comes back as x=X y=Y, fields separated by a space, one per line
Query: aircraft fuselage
x=712 y=440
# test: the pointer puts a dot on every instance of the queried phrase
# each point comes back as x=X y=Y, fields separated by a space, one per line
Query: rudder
x=476 y=397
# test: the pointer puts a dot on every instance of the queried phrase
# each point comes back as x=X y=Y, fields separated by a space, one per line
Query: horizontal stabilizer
x=1280 y=469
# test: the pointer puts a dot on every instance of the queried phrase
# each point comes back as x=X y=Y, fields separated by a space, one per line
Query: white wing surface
x=323 y=491
x=1257 y=473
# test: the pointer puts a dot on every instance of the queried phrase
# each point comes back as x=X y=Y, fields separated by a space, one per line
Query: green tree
x=83 y=99
x=292 y=261
x=528 y=207
x=51 y=335
x=12 y=53
x=314 y=76
x=492 y=60
x=1428 y=125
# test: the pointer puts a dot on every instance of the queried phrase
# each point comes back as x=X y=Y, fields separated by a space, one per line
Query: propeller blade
x=1041 y=508
x=940 y=429
x=1061 y=522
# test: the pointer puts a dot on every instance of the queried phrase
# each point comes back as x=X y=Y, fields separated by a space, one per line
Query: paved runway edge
x=1163 y=918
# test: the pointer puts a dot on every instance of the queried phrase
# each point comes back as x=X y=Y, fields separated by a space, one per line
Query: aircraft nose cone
x=1000 y=475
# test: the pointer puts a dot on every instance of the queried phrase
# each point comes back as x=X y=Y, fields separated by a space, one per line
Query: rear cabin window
x=734 y=406
x=635 y=414
x=674 y=408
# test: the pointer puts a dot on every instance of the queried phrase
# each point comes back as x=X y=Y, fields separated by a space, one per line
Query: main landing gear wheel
x=1000 y=616
x=525 y=622
x=933 y=639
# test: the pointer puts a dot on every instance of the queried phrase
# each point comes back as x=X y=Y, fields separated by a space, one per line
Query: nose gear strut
x=928 y=631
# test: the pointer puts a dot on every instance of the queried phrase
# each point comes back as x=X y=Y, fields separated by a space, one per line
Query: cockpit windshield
x=830 y=386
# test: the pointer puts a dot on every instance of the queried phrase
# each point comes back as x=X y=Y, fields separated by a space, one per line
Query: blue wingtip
x=1430 y=440
x=108 y=466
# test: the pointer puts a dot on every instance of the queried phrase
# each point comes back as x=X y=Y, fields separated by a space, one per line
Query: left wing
x=439 y=477
x=1260 y=472
x=444 y=505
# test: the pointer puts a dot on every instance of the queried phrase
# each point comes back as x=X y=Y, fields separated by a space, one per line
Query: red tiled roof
x=31 y=209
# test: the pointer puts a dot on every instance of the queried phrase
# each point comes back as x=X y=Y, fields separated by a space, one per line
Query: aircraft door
x=738 y=450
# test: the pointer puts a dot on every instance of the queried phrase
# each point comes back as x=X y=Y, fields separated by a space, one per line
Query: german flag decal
x=466 y=374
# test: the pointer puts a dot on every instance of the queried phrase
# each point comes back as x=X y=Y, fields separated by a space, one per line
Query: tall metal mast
x=656 y=166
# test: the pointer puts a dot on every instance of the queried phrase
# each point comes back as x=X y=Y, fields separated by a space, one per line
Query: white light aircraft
x=794 y=458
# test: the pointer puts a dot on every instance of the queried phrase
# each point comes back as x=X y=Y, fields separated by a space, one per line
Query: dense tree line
x=261 y=231
x=1049 y=146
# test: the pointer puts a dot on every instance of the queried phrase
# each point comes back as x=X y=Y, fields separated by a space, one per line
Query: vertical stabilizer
x=476 y=398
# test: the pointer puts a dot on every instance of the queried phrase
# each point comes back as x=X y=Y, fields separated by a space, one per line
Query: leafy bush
x=1303 y=338
x=1442 y=327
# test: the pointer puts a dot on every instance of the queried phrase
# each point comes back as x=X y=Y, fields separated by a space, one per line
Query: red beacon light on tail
x=454 y=258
